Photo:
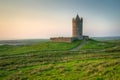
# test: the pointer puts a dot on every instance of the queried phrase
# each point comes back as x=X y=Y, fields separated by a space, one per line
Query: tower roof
x=77 y=17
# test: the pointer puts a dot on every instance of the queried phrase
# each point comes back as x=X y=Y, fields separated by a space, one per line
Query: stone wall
x=62 y=39
x=73 y=28
x=68 y=39
x=85 y=37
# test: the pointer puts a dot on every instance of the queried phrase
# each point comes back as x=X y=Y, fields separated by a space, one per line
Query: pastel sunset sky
x=34 y=19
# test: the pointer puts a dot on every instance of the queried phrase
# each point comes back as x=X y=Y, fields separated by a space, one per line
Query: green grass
x=66 y=65
x=97 y=45
x=45 y=46
x=55 y=62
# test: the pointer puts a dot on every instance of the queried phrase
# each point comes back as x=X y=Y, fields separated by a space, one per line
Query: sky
x=36 y=19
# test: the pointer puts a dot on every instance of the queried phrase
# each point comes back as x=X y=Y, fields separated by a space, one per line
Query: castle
x=77 y=31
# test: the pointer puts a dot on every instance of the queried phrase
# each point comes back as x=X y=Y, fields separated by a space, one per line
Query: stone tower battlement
x=77 y=27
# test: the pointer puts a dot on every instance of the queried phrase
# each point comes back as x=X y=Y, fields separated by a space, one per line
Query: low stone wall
x=62 y=39
x=68 y=39
x=85 y=37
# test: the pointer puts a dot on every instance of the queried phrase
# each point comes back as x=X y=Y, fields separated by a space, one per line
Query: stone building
x=77 y=31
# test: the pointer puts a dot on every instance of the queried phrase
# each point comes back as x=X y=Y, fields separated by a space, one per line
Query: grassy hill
x=54 y=61
x=38 y=47
x=106 y=38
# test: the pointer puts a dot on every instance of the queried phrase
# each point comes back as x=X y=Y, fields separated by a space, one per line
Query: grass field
x=44 y=46
x=54 y=61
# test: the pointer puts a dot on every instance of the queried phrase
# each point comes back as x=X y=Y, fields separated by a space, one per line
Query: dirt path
x=79 y=46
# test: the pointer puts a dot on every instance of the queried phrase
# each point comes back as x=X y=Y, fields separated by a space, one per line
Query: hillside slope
x=85 y=64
